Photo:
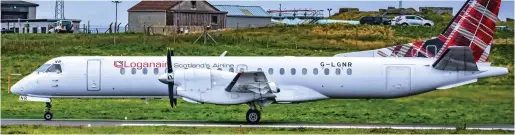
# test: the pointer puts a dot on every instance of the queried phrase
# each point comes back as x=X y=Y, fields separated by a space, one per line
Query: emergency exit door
x=93 y=75
x=398 y=78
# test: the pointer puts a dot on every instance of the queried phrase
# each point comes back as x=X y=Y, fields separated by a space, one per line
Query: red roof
x=145 y=5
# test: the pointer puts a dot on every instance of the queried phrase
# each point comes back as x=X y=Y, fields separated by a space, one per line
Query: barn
x=175 y=16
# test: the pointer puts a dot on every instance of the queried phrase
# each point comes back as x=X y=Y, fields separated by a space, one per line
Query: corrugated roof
x=145 y=5
x=18 y=3
x=236 y=10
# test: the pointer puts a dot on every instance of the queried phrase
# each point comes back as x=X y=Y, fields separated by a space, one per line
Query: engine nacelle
x=199 y=79
x=273 y=87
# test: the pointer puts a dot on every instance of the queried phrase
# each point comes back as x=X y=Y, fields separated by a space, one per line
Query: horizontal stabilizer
x=456 y=58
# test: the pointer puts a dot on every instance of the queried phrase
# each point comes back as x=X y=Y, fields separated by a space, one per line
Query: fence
x=167 y=30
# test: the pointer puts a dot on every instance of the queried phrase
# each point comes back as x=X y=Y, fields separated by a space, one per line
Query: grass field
x=38 y=129
x=490 y=101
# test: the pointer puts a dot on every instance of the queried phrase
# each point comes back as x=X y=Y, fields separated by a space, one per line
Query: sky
x=103 y=12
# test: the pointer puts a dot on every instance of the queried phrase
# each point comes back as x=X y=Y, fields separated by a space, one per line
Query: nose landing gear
x=48 y=115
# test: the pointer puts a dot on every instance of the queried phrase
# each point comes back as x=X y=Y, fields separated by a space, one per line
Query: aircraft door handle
x=55 y=80
x=55 y=85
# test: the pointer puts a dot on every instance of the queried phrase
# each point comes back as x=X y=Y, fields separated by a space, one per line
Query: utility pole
x=59 y=9
x=280 y=13
x=329 y=9
x=116 y=15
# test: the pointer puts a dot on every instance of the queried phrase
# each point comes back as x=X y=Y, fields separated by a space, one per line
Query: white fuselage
x=299 y=78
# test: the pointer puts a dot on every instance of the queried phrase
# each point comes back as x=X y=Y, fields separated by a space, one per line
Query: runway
x=238 y=124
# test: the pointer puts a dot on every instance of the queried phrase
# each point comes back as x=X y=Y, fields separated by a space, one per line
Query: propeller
x=173 y=100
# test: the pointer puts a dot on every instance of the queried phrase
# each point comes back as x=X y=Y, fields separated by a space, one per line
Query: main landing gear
x=48 y=115
x=253 y=115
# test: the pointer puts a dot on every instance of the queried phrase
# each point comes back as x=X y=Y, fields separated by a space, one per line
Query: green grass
x=468 y=104
x=39 y=129
x=490 y=101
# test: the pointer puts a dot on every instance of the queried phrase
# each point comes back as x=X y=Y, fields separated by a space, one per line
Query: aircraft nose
x=17 y=89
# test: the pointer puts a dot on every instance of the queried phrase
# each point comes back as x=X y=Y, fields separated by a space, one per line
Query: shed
x=18 y=9
x=175 y=15
x=245 y=16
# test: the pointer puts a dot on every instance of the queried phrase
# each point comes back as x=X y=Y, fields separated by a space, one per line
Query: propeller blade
x=169 y=61
x=173 y=101
x=170 y=95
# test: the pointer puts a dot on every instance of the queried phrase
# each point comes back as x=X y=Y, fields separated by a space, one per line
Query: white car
x=412 y=20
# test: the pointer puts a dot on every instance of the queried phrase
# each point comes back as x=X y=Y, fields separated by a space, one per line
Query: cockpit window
x=54 y=68
x=42 y=68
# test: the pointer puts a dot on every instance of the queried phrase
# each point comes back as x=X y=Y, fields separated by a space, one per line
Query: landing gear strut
x=253 y=115
x=48 y=115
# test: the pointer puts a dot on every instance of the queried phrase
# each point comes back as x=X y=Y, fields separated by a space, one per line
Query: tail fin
x=473 y=26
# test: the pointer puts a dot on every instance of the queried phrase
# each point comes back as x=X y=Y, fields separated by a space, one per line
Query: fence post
x=8 y=83
x=268 y=38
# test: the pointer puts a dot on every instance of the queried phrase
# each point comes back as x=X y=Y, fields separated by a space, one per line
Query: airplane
x=261 y=81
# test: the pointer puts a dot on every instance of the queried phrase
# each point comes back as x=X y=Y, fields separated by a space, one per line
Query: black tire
x=253 y=116
x=428 y=25
x=48 y=116
x=404 y=24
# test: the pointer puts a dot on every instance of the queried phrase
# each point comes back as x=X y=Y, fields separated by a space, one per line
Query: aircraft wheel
x=253 y=116
x=48 y=116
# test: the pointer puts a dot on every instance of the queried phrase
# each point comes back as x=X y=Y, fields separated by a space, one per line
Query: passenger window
x=338 y=71
x=220 y=69
x=166 y=70
x=293 y=71
x=156 y=71
x=133 y=70
x=315 y=71
x=281 y=71
x=54 y=68
x=304 y=71
x=259 y=69
x=271 y=71
x=231 y=70
x=349 y=71
x=122 y=71
x=145 y=71
x=326 y=71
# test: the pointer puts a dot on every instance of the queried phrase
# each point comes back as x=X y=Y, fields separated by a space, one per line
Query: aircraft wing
x=251 y=81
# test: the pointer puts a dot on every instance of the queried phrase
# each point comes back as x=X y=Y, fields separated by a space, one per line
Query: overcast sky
x=103 y=12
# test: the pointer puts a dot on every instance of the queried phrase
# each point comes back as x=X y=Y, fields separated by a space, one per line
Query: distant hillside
x=353 y=15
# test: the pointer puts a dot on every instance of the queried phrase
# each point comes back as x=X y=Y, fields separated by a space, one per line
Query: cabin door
x=93 y=75
x=398 y=78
